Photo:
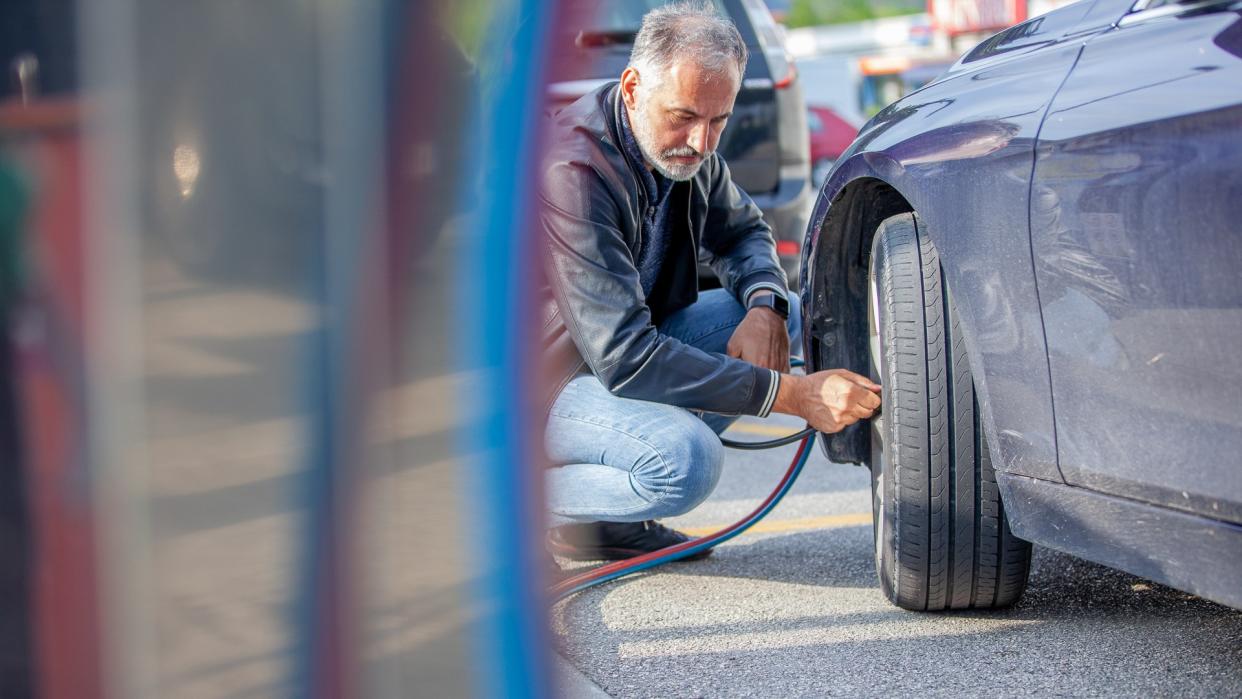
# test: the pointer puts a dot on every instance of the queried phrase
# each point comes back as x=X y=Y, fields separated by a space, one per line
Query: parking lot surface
x=792 y=609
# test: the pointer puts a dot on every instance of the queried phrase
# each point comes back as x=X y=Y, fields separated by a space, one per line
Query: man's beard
x=643 y=133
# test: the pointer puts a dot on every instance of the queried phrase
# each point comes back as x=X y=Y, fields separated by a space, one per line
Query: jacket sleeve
x=595 y=285
x=736 y=241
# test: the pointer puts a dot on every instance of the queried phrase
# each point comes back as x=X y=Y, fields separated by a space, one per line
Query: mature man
x=648 y=370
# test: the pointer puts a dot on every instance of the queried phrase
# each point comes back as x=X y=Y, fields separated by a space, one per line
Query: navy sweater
x=657 y=219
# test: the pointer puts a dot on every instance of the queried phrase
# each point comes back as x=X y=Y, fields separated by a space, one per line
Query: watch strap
x=775 y=301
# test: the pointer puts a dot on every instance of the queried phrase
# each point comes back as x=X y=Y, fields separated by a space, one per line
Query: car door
x=1136 y=220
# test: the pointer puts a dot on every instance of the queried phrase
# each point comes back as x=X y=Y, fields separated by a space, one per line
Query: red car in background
x=831 y=134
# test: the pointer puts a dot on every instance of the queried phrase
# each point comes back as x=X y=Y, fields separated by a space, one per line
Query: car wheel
x=942 y=540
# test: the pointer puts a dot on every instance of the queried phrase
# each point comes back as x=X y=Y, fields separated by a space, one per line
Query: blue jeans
x=623 y=460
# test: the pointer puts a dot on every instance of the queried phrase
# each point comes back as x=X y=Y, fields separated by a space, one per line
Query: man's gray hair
x=687 y=30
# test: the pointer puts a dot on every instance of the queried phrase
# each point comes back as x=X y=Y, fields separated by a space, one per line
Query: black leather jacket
x=595 y=317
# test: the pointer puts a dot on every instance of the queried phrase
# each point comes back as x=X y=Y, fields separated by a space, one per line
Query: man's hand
x=761 y=339
x=829 y=400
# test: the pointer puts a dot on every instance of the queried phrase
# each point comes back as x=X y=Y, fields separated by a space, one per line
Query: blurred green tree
x=467 y=22
x=807 y=13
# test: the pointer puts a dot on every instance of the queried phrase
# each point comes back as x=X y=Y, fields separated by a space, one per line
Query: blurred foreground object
x=257 y=439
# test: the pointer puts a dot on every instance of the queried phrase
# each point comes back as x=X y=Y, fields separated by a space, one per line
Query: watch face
x=781 y=305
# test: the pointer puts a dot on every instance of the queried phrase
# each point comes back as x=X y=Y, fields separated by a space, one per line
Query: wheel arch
x=837 y=253
x=835 y=291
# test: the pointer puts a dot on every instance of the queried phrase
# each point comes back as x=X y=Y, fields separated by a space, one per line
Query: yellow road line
x=765 y=430
x=849 y=519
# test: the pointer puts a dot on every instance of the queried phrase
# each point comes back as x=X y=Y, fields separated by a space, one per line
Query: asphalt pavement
x=793 y=609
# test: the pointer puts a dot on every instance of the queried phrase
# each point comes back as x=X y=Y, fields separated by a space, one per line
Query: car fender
x=959 y=153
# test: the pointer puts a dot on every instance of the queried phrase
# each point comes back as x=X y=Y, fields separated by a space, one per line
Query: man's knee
x=685 y=469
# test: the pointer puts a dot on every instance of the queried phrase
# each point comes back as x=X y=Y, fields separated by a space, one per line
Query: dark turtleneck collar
x=656 y=185
x=658 y=232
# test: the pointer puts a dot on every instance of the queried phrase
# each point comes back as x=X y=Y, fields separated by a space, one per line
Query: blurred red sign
x=962 y=16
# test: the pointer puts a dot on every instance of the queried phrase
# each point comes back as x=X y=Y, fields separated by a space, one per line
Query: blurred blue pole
x=496 y=276
x=339 y=354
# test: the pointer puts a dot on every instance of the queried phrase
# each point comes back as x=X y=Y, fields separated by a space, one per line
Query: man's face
x=678 y=120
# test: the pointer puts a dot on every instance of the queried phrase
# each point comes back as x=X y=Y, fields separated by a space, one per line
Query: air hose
x=613 y=571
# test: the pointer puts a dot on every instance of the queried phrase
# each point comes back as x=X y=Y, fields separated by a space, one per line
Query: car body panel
x=1200 y=555
x=1137 y=199
x=1104 y=350
x=960 y=151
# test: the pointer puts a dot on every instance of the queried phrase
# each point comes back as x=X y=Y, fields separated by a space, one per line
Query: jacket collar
x=613 y=106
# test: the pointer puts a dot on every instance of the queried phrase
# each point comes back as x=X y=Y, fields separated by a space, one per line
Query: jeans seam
x=666 y=471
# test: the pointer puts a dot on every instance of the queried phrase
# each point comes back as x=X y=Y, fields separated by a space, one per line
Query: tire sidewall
x=883 y=479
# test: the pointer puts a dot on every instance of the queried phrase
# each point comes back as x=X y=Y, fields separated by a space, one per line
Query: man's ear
x=629 y=86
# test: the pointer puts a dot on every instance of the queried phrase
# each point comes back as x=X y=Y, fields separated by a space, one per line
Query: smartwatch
x=775 y=301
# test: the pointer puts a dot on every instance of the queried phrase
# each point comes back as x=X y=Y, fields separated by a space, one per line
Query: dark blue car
x=1039 y=255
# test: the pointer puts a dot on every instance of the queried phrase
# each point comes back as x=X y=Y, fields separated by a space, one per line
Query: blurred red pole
x=66 y=610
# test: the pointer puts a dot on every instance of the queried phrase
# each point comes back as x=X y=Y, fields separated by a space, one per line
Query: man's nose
x=699 y=137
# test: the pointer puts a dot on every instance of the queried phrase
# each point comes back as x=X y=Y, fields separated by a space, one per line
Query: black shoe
x=615 y=540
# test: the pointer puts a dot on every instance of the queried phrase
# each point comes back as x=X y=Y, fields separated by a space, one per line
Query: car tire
x=942 y=540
